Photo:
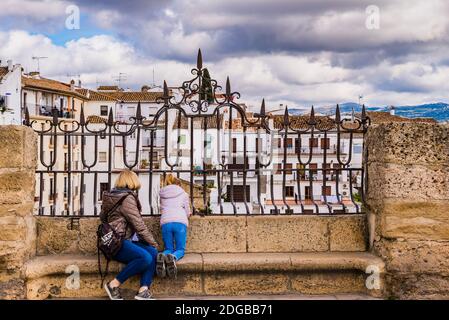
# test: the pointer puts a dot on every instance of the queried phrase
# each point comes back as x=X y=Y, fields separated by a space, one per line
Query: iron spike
x=262 y=108
x=337 y=114
x=82 y=119
x=199 y=60
x=110 y=117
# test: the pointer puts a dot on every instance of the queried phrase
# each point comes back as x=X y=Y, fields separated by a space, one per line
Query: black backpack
x=109 y=242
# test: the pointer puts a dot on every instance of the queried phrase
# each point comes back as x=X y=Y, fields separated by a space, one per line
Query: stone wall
x=17 y=224
x=408 y=201
x=60 y=235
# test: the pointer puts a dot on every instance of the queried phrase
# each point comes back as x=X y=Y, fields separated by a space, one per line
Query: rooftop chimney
x=34 y=74
x=72 y=85
x=10 y=66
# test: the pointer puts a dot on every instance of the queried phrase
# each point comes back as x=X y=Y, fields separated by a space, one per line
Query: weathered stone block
x=348 y=233
x=414 y=182
x=12 y=232
x=19 y=210
x=216 y=234
x=287 y=234
x=418 y=286
x=413 y=256
x=415 y=220
x=245 y=283
x=12 y=289
x=16 y=186
x=19 y=148
x=55 y=236
x=220 y=262
x=87 y=239
x=409 y=143
x=328 y=282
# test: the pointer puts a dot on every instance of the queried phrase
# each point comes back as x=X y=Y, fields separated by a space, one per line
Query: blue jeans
x=140 y=259
x=174 y=235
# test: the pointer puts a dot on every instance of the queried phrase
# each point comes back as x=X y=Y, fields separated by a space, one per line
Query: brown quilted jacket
x=126 y=219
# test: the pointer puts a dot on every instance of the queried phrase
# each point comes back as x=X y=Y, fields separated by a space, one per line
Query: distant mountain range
x=438 y=111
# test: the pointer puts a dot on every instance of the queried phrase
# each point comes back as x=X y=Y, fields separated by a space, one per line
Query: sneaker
x=160 y=265
x=113 y=293
x=170 y=266
x=144 y=295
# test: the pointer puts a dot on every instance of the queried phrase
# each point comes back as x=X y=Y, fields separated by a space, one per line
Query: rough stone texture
x=409 y=144
x=56 y=236
x=217 y=234
x=301 y=233
x=220 y=262
x=245 y=283
x=327 y=282
x=416 y=182
x=408 y=199
x=348 y=233
x=415 y=220
x=19 y=147
x=59 y=235
x=17 y=224
x=215 y=274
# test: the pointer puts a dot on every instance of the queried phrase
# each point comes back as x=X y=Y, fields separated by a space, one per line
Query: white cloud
x=293 y=79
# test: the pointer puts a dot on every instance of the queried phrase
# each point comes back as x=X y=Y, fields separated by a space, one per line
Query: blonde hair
x=170 y=179
x=128 y=179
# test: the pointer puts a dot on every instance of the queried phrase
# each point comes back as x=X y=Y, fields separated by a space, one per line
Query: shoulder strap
x=117 y=204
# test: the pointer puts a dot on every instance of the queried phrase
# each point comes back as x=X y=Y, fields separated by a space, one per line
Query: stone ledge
x=219 y=262
x=56 y=264
x=280 y=233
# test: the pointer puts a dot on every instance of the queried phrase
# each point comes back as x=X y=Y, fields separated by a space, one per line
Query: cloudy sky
x=296 y=52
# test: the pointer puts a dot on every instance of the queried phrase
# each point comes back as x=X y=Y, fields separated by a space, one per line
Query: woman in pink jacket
x=175 y=212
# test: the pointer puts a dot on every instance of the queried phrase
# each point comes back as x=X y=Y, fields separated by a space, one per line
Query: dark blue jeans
x=174 y=235
x=140 y=259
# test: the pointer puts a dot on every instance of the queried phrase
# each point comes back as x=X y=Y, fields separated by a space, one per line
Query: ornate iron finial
x=110 y=117
x=166 y=96
x=199 y=60
x=312 y=120
x=228 y=88
x=363 y=114
x=337 y=114
x=286 y=117
x=138 y=111
x=26 y=121
x=262 y=108
x=82 y=119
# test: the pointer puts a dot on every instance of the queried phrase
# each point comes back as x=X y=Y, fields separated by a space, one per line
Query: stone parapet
x=408 y=204
x=222 y=234
x=217 y=274
x=17 y=224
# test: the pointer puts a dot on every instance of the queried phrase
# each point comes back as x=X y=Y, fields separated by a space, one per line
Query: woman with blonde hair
x=121 y=209
x=175 y=211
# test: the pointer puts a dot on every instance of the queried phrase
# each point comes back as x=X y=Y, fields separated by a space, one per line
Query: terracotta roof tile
x=3 y=71
x=134 y=96
x=96 y=119
x=108 y=88
x=48 y=84
x=94 y=95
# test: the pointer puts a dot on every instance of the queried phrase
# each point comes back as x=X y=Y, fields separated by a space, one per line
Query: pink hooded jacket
x=174 y=205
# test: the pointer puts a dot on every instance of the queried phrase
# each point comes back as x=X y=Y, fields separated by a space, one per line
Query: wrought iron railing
x=234 y=164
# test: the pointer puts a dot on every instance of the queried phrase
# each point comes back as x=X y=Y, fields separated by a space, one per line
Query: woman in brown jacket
x=139 y=249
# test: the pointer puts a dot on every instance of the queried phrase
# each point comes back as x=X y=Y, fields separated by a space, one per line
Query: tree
x=206 y=88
